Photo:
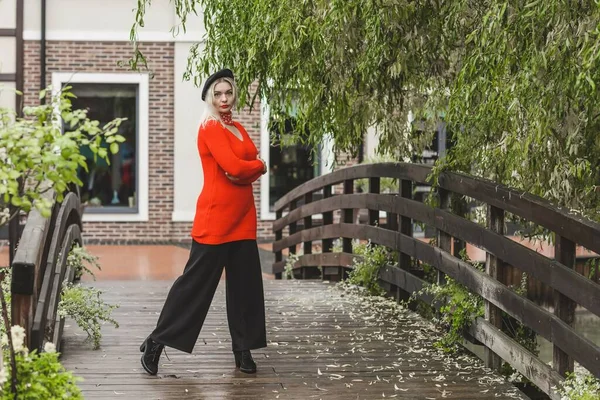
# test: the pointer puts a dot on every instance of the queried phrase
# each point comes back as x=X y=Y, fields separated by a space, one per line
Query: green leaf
x=591 y=82
x=114 y=148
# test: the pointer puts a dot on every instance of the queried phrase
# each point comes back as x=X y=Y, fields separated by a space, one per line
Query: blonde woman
x=224 y=235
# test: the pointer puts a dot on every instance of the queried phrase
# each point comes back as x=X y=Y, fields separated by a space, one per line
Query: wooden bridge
x=322 y=343
x=326 y=342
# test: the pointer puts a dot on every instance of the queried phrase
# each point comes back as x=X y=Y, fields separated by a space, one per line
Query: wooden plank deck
x=323 y=343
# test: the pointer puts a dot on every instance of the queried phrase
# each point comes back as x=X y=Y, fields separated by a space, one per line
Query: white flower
x=4 y=216
x=18 y=338
x=3 y=375
x=49 y=347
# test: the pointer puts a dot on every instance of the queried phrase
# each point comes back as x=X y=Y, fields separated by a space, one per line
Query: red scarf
x=227 y=118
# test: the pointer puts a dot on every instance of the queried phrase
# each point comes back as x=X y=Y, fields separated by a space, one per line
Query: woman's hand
x=264 y=164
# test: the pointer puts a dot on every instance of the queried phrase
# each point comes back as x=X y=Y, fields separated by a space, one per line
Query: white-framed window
x=287 y=167
x=115 y=192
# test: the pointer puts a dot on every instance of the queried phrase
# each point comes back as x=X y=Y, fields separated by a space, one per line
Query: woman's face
x=223 y=97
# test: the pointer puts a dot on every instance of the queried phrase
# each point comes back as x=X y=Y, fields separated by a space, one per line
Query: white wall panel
x=7 y=95
x=188 y=177
x=105 y=20
x=8 y=55
x=8 y=14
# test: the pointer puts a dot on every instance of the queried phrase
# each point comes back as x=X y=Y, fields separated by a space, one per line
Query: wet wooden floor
x=323 y=343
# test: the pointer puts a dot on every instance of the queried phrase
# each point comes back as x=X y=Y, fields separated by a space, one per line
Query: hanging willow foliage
x=514 y=81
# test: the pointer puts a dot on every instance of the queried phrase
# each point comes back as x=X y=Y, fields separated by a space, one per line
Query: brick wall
x=66 y=56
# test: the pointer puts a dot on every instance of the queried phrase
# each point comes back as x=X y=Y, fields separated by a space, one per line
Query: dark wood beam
x=8 y=32
x=8 y=77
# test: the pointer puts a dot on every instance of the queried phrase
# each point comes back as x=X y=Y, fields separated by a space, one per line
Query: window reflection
x=289 y=165
x=110 y=185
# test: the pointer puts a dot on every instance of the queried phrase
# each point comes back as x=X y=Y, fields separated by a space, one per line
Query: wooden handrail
x=571 y=288
x=551 y=272
x=533 y=208
x=411 y=172
x=39 y=268
x=44 y=316
x=27 y=267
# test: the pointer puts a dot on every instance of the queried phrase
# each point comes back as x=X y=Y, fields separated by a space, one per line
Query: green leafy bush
x=39 y=375
x=37 y=149
x=580 y=387
x=85 y=306
x=366 y=266
x=459 y=309
x=289 y=265
x=79 y=259
x=7 y=297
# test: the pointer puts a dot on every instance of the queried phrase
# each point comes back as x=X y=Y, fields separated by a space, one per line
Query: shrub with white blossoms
x=87 y=308
x=4 y=215
x=17 y=334
x=49 y=347
x=39 y=375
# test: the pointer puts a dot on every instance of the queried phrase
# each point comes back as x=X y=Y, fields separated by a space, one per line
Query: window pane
x=289 y=166
x=111 y=185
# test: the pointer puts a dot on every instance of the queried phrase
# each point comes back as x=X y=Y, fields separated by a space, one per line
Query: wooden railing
x=39 y=269
x=571 y=288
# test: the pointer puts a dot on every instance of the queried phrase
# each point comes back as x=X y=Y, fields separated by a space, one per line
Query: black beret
x=224 y=73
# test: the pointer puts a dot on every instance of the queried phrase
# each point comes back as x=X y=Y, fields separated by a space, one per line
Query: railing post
x=278 y=236
x=307 y=225
x=444 y=239
x=494 y=268
x=391 y=221
x=292 y=229
x=406 y=228
x=327 y=220
x=374 y=187
x=348 y=215
x=460 y=209
x=564 y=308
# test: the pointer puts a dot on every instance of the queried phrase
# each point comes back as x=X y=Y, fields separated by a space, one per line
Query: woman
x=224 y=235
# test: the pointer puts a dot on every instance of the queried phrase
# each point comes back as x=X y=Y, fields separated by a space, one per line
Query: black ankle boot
x=151 y=356
x=244 y=361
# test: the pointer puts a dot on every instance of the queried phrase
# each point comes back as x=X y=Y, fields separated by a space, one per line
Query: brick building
x=149 y=190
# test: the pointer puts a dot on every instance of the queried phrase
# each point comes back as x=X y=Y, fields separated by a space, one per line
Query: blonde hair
x=210 y=112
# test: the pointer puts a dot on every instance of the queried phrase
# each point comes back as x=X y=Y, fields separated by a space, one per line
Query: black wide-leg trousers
x=189 y=299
